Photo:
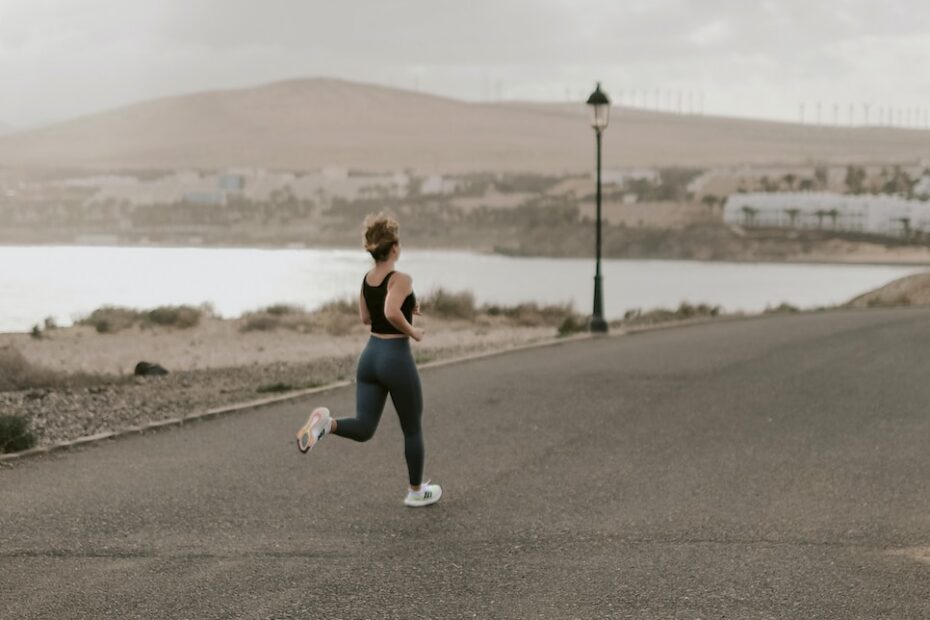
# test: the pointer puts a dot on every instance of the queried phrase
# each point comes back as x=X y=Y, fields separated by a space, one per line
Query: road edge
x=297 y=394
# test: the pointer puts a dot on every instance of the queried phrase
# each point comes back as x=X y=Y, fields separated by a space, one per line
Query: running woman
x=386 y=303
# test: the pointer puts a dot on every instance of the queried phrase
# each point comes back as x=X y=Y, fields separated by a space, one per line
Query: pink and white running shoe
x=311 y=432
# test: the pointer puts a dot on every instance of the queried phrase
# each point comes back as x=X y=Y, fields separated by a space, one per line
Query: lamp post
x=600 y=114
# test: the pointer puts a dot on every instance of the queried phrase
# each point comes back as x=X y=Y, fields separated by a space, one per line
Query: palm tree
x=833 y=213
x=749 y=215
x=820 y=174
x=820 y=213
x=793 y=215
x=906 y=225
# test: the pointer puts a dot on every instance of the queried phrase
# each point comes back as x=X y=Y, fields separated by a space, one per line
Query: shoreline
x=839 y=260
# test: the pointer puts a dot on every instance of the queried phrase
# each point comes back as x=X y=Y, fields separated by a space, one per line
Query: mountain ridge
x=307 y=123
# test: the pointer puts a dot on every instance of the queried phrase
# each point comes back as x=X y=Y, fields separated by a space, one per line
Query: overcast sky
x=63 y=58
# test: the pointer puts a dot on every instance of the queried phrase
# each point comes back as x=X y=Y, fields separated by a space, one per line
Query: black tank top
x=374 y=299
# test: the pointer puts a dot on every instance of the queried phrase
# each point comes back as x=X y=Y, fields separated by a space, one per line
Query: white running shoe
x=311 y=432
x=428 y=494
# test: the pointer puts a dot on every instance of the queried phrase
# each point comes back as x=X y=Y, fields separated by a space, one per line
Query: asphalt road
x=766 y=468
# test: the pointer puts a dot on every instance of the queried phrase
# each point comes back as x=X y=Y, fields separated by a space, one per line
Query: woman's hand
x=418 y=333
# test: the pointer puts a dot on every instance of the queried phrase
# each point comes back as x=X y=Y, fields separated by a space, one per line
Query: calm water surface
x=67 y=282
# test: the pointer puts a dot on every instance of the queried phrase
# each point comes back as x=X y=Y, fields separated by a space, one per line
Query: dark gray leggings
x=385 y=367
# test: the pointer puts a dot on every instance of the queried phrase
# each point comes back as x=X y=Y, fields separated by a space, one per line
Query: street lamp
x=600 y=114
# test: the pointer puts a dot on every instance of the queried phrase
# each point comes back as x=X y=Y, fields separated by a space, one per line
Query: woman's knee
x=365 y=433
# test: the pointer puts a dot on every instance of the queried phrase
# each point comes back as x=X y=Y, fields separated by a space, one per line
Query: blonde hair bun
x=381 y=233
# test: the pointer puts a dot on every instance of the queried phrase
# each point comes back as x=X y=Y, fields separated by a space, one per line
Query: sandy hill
x=311 y=123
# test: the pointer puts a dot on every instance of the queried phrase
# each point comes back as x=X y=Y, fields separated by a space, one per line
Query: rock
x=147 y=369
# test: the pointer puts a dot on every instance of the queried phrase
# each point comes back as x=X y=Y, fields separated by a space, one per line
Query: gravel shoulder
x=210 y=366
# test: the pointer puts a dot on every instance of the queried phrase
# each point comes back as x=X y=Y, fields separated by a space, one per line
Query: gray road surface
x=767 y=468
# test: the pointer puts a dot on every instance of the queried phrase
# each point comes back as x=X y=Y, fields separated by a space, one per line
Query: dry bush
x=532 y=314
x=182 y=317
x=18 y=373
x=573 y=324
x=261 y=321
x=344 y=306
x=336 y=318
x=782 y=308
x=335 y=321
x=445 y=304
x=282 y=309
x=111 y=319
x=664 y=315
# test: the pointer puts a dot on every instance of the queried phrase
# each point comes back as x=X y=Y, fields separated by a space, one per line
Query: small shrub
x=282 y=309
x=50 y=323
x=337 y=318
x=36 y=332
x=342 y=306
x=782 y=308
x=336 y=323
x=274 y=388
x=17 y=373
x=531 y=314
x=182 y=317
x=111 y=319
x=14 y=434
x=684 y=311
x=572 y=324
x=260 y=321
x=445 y=304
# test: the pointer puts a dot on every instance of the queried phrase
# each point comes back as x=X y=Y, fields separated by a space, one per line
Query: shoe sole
x=424 y=504
x=305 y=429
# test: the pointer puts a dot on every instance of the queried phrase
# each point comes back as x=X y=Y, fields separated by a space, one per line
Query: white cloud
x=60 y=58
x=712 y=33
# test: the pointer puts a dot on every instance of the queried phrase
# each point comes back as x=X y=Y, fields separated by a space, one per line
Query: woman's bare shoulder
x=401 y=278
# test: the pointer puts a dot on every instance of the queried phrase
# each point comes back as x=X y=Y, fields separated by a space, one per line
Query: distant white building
x=922 y=187
x=257 y=185
x=882 y=214
x=212 y=198
x=619 y=176
x=436 y=184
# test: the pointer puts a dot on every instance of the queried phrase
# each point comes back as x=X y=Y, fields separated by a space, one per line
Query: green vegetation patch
x=15 y=435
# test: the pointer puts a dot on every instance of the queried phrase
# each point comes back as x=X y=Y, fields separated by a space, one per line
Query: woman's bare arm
x=399 y=287
x=363 y=309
